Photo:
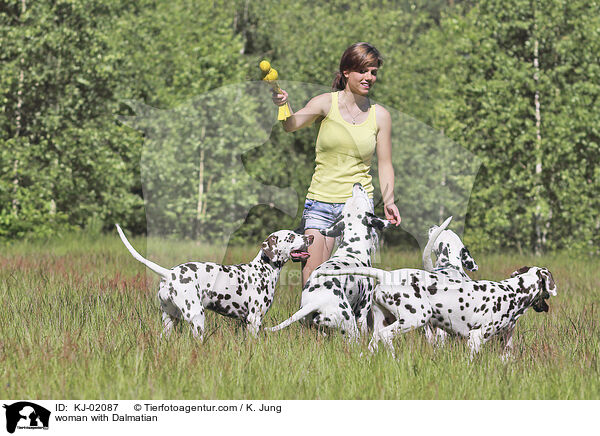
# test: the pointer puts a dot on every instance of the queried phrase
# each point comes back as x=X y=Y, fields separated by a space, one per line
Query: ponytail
x=339 y=82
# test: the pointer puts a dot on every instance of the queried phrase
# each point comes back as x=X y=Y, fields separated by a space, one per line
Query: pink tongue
x=300 y=254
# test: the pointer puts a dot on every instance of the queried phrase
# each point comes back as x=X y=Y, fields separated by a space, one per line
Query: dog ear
x=467 y=260
x=268 y=250
x=521 y=270
x=372 y=220
x=334 y=230
x=547 y=282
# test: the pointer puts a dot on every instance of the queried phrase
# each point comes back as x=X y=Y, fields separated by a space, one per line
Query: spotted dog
x=451 y=256
x=343 y=302
x=477 y=310
x=242 y=291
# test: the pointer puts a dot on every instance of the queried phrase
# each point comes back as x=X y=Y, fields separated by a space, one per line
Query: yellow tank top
x=343 y=156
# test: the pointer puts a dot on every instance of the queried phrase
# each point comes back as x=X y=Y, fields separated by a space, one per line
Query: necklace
x=350 y=113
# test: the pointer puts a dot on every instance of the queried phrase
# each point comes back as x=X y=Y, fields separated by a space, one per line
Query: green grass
x=79 y=319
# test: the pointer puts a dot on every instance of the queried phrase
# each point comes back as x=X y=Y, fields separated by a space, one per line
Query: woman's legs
x=320 y=250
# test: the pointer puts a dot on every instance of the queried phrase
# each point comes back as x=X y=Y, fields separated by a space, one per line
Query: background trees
x=510 y=88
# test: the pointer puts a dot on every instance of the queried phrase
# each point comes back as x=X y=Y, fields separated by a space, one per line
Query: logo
x=26 y=415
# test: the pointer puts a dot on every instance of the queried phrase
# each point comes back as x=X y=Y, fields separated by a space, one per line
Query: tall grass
x=80 y=319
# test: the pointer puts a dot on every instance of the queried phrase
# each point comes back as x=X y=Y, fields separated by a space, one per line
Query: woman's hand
x=280 y=99
x=392 y=214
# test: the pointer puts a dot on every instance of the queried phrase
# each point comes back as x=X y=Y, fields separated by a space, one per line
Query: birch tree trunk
x=538 y=140
x=15 y=200
x=201 y=205
x=542 y=215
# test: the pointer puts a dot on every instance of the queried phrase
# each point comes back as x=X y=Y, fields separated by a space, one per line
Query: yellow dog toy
x=270 y=75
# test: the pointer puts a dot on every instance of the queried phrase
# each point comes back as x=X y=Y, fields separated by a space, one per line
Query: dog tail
x=427 y=263
x=154 y=267
x=304 y=311
x=382 y=276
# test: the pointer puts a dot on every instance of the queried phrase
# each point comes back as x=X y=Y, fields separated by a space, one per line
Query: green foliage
x=60 y=142
x=488 y=106
x=69 y=70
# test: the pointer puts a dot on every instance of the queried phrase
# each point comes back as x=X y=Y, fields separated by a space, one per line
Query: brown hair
x=355 y=58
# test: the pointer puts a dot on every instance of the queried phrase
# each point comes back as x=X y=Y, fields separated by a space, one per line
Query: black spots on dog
x=415 y=285
x=208 y=267
x=328 y=284
x=239 y=290
x=497 y=307
x=432 y=289
x=173 y=276
x=192 y=266
x=185 y=280
x=350 y=252
x=405 y=295
x=289 y=238
x=461 y=300
x=345 y=315
x=410 y=308
x=336 y=282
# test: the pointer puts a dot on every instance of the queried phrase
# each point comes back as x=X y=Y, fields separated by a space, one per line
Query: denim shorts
x=320 y=215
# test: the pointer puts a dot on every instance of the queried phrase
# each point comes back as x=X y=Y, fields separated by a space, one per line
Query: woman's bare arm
x=317 y=107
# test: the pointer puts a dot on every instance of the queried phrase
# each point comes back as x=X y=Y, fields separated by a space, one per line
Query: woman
x=351 y=130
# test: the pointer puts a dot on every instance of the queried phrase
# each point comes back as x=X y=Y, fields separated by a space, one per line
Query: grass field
x=79 y=319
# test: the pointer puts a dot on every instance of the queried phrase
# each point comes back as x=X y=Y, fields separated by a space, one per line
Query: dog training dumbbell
x=270 y=76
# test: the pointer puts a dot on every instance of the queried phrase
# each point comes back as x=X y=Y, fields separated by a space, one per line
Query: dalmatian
x=343 y=303
x=451 y=256
x=477 y=310
x=243 y=291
